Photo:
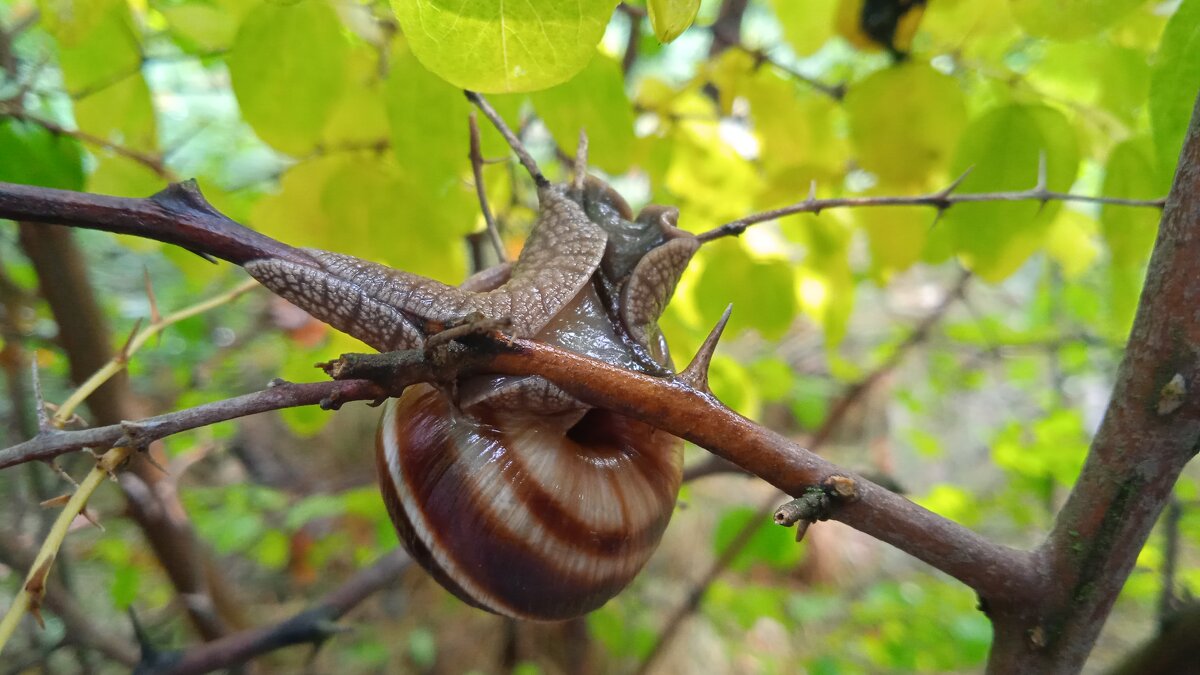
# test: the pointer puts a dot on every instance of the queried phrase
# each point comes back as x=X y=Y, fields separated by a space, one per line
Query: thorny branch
x=941 y=201
x=52 y=443
x=312 y=626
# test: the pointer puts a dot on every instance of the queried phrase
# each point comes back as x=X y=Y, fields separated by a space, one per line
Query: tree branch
x=312 y=626
x=941 y=200
x=53 y=442
x=1150 y=431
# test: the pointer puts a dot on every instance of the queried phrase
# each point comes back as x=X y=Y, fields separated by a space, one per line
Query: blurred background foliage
x=318 y=122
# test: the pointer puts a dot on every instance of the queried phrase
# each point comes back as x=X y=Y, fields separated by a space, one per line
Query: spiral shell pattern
x=520 y=516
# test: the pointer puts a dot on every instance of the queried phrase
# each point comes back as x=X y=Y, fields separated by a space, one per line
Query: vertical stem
x=1150 y=431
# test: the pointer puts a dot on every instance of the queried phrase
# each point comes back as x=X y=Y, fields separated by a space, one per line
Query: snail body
x=518 y=498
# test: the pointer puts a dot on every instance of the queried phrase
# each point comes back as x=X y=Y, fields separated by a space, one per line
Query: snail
x=516 y=497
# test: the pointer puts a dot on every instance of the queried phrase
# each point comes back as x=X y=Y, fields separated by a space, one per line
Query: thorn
x=134 y=436
x=56 y=502
x=53 y=464
x=155 y=316
x=43 y=416
x=202 y=254
x=937 y=217
x=581 y=160
x=696 y=373
x=36 y=587
x=74 y=420
x=812 y=191
x=123 y=355
x=153 y=462
x=1041 y=173
x=954 y=184
x=91 y=519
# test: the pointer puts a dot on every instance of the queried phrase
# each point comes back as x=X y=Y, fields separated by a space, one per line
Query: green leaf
x=708 y=180
x=34 y=156
x=824 y=283
x=806 y=25
x=670 y=18
x=905 y=122
x=952 y=502
x=607 y=117
x=358 y=118
x=797 y=127
x=125 y=585
x=286 y=67
x=761 y=291
x=492 y=47
x=1070 y=70
x=896 y=235
x=1130 y=231
x=121 y=111
x=1072 y=243
x=100 y=54
x=206 y=25
x=98 y=43
x=428 y=122
x=1069 y=19
x=1172 y=84
x=1003 y=147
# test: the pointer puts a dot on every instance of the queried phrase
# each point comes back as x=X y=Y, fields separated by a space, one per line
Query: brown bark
x=1150 y=431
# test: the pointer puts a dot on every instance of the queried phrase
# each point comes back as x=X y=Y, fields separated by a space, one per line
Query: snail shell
x=517 y=497
x=520 y=517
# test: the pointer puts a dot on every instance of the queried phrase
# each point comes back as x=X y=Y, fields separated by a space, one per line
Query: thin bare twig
x=481 y=190
x=513 y=142
x=312 y=626
x=50 y=444
x=941 y=200
x=836 y=92
x=147 y=160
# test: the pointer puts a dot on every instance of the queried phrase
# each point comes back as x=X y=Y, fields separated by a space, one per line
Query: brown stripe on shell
x=613 y=449
x=407 y=533
x=486 y=562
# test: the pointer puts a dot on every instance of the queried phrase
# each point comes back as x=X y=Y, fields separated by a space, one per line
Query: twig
x=481 y=190
x=636 y=16
x=29 y=596
x=312 y=626
x=149 y=161
x=836 y=92
x=118 y=363
x=941 y=200
x=513 y=142
x=48 y=445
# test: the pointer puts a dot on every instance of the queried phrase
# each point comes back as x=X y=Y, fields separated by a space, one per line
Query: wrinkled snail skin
x=523 y=518
x=515 y=496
